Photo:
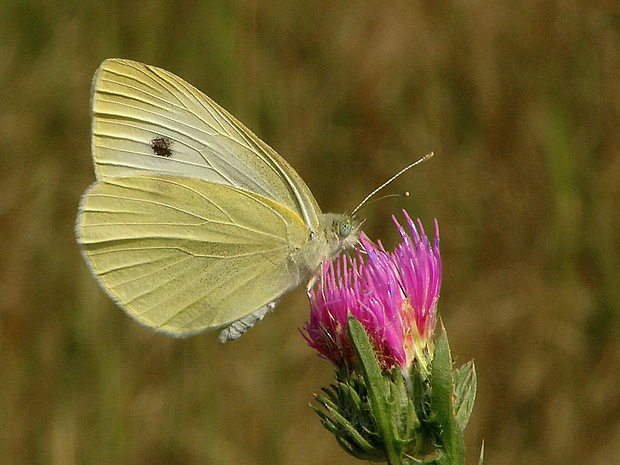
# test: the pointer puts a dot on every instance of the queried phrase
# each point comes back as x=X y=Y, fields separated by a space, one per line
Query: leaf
x=442 y=407
x=465 y=382
x=376 y=389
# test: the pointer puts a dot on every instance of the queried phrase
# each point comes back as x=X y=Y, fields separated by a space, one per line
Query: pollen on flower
x=393 y=294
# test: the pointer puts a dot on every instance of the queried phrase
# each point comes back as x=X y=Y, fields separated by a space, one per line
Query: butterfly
x=194 y=223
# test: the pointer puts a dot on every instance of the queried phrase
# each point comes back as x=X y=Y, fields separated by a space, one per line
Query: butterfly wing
x=194 y=222
x=182 y=255
x=146 y=119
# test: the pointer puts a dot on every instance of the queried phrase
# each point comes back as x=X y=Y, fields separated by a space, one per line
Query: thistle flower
x=397 y=395
x=393 y=294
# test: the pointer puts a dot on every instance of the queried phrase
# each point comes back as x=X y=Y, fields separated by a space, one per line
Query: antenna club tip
x=406 y=194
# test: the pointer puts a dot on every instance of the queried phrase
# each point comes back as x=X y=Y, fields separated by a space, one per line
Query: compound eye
x=344 y=228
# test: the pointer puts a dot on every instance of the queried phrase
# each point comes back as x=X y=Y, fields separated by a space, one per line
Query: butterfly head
x=345 y=228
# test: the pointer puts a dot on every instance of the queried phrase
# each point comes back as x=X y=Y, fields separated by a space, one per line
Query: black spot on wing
x=162 y=146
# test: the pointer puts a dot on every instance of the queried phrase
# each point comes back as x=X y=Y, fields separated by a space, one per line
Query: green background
x=520 y=101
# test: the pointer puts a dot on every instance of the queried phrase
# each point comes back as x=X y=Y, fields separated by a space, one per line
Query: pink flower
x=393 y=294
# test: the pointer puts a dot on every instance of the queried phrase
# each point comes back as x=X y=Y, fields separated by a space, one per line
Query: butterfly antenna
x=387 y=196
x=404 y=170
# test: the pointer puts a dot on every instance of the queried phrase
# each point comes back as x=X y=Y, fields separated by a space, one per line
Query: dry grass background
x=520 y=100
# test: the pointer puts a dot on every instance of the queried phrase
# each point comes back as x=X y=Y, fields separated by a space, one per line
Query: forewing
x=183 y=255
x=146 y=119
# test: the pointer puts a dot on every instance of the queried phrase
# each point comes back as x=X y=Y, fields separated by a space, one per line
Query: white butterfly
x=193 y=223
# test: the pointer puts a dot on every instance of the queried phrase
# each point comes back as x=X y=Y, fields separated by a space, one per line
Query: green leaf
x=376 y=386
x=442 y=407
x=405 y=418
x=465 y=382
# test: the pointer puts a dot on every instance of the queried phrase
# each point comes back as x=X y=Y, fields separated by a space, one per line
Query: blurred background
x=520 y=101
